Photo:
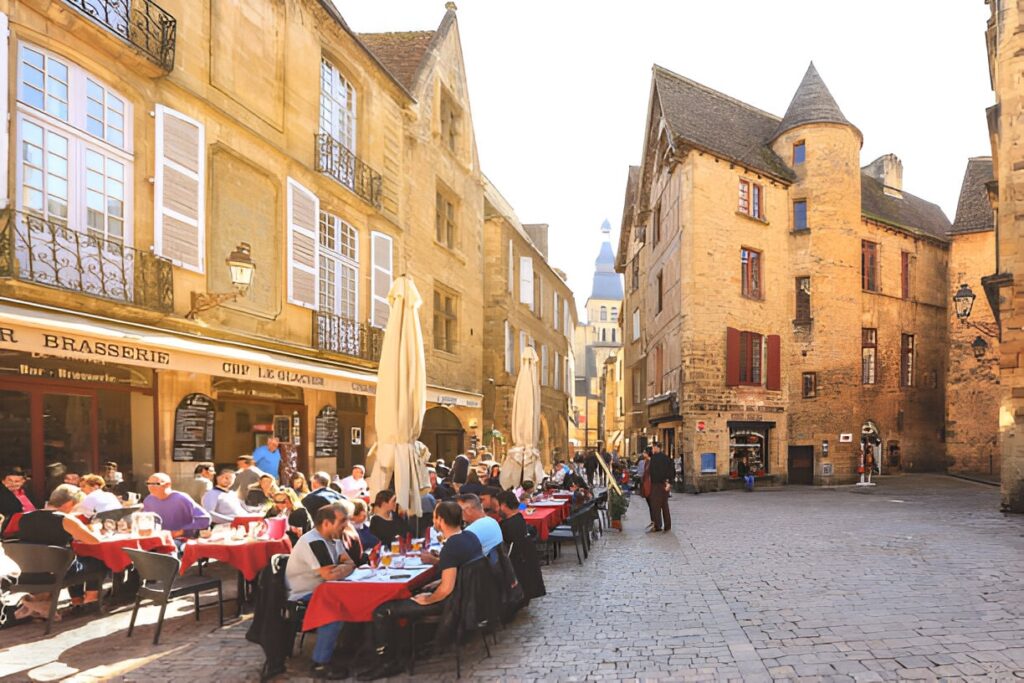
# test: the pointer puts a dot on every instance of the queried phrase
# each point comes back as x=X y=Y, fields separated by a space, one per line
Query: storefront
x=750 y=441
x=663 y=414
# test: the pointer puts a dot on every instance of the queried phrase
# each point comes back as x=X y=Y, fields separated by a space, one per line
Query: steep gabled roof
x=401 y=53
x=812 y=103
x=907 y=212
x=626 y=227
x=973 y=211
x=715 y=122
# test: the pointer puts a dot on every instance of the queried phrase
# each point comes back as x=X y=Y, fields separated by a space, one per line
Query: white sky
x=559 y=88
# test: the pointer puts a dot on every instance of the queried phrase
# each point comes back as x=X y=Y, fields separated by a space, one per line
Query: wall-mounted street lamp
x=242 y=269
x=963 y=303
x=979 y=346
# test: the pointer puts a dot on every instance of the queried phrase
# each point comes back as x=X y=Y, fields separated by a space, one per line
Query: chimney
x=888 y=170
x=538 y=233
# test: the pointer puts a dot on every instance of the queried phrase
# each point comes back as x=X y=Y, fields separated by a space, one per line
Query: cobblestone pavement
x=920 y=578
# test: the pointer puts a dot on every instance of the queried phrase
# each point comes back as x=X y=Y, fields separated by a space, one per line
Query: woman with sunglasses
x=283 y=505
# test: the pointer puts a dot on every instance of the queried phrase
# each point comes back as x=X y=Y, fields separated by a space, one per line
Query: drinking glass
x=385 y=560
x=396 y=546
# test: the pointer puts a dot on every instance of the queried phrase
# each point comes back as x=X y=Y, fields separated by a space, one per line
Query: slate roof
x=908 y=212
x=973 y=211
x=812 y=103
x=607 y=283
x=401 y=53
x=715 y=122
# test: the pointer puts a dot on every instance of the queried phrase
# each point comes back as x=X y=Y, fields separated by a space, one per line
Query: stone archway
x=443 y=434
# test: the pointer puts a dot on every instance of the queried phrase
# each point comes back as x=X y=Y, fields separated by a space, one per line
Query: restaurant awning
x=54 y=332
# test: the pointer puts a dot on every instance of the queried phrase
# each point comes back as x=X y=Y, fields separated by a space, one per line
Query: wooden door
x=801 y=465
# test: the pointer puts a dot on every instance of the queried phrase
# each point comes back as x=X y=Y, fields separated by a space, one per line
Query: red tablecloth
x=544 y=520
x=248 y=557
x=355 y=600
x=109 y=550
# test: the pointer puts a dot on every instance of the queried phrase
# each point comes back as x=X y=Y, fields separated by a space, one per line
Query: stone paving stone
x=932 y=590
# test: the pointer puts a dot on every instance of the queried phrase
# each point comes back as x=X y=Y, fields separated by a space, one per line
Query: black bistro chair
x=160 y=583
x=44 y=569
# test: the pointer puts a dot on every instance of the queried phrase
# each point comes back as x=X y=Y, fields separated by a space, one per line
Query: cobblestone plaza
x=920 y=578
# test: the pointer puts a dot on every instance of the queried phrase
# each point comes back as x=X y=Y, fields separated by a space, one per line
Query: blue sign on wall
x=707 y=463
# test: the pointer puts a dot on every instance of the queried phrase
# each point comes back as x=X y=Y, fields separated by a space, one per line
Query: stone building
x=630 y=262
x=614 y=403
x=526 y=302
x=143 y=160
x=972 y=384
x=1004 y=288
x=794 y=308
x=595 y=341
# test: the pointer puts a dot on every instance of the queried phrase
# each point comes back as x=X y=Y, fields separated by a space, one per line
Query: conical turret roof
x=812 y=103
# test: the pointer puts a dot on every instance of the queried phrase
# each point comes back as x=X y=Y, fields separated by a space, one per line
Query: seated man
x=246 y=474
x=489 y=499
x=459 y=549
x=320 y=494
x=179 y=514
x=13 y=497
x=221 y=502
x=200 y=483
x=522 y=551
x=354 y=485
x=319 y=556
x=55 y=525
x=485 y=528
x=96 y=499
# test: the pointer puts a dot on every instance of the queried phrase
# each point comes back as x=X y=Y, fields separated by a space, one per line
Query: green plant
x=617 y=504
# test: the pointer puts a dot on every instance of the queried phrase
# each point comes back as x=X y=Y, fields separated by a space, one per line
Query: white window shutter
x=526 y=281
x=303 y=245
x=555 y=310
x=566 y=320
x=179 y=230
x=382 y=258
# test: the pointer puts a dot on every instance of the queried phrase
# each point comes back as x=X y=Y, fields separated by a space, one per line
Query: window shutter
x=526 y=281
x=511 y=270
x=774 y=380
x=179 y=231
x=5 y=200
x=303 y=245
x=380 y=280
x=732 y=357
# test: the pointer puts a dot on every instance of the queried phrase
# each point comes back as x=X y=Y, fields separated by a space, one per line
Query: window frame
x=908 y=351
x=446 y=225
x=343 y=260
x=869 y=262
x=656 y=225
x=809 y=385
x=636 y=323
x=751 y=350
x=800 y=221
x=905 y=273
x=868 y=356
x=661 y=292
x=750 y=199
x=799 y=152
x=448 y=316
x=341 y=123
x=802 y=299
x=751 y=273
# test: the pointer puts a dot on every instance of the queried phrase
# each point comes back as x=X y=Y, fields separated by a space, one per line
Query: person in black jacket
x=14 y=499
x=662 y=472
x=522 y=551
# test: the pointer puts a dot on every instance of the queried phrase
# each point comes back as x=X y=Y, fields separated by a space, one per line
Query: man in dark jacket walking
x=662 y=472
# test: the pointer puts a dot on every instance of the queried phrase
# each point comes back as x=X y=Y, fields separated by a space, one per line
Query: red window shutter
x=732 y=357
x=774 y=382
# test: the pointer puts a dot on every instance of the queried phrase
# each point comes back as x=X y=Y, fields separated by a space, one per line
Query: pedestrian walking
x=662 y=472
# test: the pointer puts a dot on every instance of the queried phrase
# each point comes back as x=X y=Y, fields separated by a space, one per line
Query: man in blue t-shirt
x=268 y=458
x=459 y=549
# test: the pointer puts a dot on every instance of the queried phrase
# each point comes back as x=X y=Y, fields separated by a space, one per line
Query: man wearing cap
x=179 y=514
x=354 y=485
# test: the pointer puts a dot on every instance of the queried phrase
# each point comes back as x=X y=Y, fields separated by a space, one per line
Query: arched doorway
x=442 y=433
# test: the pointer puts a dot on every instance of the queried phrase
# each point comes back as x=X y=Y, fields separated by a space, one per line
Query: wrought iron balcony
x=52 y=254
x=141 y=23
x=334 y=159
x=342 y=335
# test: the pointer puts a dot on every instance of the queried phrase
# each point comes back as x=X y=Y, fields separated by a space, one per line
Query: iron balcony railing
x=334 y=159
x=142 y=23
x=50 y=253
x=342 y=335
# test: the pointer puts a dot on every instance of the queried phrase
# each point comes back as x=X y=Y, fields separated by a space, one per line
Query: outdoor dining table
x=544 y=519
x=248 y=556
x=110 y=550
x=353 y=599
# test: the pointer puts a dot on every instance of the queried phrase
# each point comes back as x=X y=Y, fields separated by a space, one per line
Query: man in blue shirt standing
x=268 y=458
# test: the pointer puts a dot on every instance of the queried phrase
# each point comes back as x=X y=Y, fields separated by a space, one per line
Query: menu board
x=193 y=429
x=325 y=441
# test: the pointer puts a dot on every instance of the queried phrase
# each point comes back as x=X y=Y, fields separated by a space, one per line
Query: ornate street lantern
x=963 y=301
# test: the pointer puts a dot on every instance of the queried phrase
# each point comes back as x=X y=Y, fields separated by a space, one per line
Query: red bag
x=860 y=469
x=645 y=482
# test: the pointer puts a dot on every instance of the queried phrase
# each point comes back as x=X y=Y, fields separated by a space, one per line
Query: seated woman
x=385 y=522
x=268 y=488
x=494 y=476
x=299 y=521
x=298 y=485
x=96 y=499
x=55 y=525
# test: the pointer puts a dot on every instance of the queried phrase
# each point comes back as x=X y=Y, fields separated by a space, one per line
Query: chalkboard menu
x=193 y=429
x=325 y=441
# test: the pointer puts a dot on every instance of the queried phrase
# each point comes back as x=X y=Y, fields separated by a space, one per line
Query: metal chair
x=44 y=569
x=160 y=583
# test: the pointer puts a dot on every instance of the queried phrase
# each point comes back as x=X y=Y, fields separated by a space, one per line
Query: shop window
x=749 y=445
x=810 y=385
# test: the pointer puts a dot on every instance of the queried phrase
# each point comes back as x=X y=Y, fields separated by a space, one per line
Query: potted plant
x=617 y=504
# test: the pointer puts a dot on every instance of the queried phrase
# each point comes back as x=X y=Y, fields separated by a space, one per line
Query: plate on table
x=360 y=574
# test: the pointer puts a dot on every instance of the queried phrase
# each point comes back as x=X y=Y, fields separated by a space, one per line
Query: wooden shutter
x=382 y=258
x=774 y=380
x=303 y=245
x=179 y=231
x=526 y=281
x=732 y=357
